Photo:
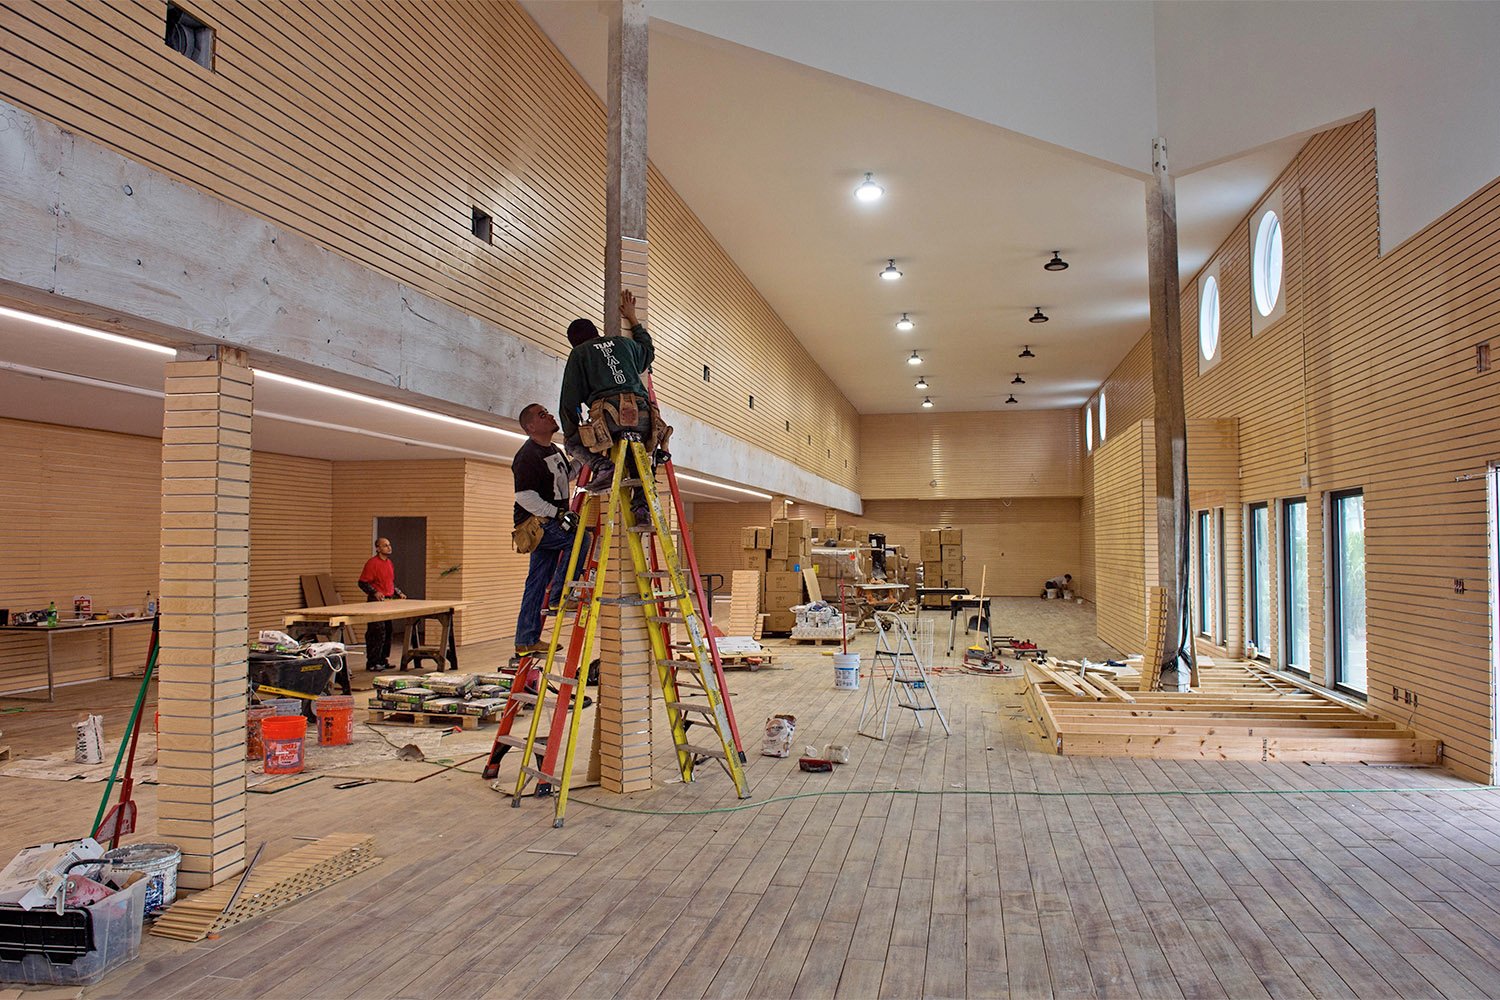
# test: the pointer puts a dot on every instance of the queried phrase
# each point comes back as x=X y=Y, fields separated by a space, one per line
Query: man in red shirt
x=378 y=581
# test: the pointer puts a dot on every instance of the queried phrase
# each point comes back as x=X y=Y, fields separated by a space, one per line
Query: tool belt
x=527 y=535
x=621 y=412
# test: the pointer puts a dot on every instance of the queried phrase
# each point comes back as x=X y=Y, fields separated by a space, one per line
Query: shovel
x=120 y=819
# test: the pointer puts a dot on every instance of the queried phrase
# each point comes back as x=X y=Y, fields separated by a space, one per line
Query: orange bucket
x=283 y=736
x=335 y=720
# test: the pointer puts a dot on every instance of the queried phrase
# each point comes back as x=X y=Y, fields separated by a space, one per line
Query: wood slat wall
x=81 y=513
x=1124 y=519
x=1014 y=544
x=493 y=576
x=373 y=128
x=363 y=491
x=1369 y=381
x=937 y=456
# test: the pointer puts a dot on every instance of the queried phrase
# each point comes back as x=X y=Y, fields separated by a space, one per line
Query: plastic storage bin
x=74 y=948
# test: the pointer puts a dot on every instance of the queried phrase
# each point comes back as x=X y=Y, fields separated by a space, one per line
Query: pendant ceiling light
x=904 y=323
x=868 y=190
x=921 y=382
x=1011 y=399
x=890 y=273
x=1026 y=353
x=1055 y=264
x=1018 y=380
x=1039 y=316
x=927 y=403
x=915 y=359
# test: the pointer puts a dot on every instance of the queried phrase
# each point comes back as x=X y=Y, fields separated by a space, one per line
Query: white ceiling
x=767 y=153
x=58 y=377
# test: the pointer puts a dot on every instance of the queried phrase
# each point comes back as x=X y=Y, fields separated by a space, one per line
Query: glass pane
x=1350 y=518
x=1203 y=560
x=1260 y=578
x=1296 y=586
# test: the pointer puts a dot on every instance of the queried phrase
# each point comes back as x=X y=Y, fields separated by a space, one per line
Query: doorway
x=408 y=537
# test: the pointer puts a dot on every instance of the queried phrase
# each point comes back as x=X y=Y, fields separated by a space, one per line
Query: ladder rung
x=667 y=619
x=642 y=529
x=539 y=773
x=630 y=482
x=698 y=751
x=691 y=706
x=917 y=708
x=513 y=741
x=655 y=575
x=524 y=697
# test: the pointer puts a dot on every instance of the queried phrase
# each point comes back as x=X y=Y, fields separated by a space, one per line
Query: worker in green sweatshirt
x=603 y=381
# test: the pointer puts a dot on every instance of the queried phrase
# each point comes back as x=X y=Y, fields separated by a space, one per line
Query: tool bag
x=527 y=535
x=621 y=411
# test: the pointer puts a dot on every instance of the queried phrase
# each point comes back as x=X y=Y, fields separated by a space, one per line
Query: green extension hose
x=1184 y=792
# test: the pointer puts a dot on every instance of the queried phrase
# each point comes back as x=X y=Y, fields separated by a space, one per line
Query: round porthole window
x=1266 y=264
x=1088 y=427
x=1208 y=319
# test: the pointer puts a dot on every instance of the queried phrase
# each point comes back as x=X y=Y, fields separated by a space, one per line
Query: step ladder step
x=667 y=619
x=524 y=697
x=655 y=575
x=691 y=706
x=537 y=772
x=916 y=708
x=698 y=751
x=519 y=742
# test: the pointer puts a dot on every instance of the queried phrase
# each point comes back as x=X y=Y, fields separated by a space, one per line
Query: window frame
x=1273 y=202
x=1202 y=528
x=1288 y=579
x=1336 y=591
x=1210 y=274
x=1258 y=571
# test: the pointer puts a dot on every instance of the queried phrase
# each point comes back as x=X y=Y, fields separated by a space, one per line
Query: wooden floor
x=1022 y=874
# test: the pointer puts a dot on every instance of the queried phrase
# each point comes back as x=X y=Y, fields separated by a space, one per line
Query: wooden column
x=625 y=194
x=205 y=574
x=1172 y=522
x=625 y=679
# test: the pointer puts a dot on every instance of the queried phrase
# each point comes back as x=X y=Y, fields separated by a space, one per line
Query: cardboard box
x=953 y=536
x=753 y=559
x=747 y=538
x=783 y=582
x=762 y=538
x=778 y=545
x=849 y=533
x=799 y=527
x=780 y=621
x=951 y=551
x=953 y=565
x=931 y=551
x=956 y=580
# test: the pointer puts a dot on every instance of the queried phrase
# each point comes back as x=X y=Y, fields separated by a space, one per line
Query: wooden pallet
x=396 y=717
x=816 y=640
x=268 y=886
x=1241 y=711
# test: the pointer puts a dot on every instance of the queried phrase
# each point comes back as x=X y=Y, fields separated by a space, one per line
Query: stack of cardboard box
x=780 y=553
x=942 y=561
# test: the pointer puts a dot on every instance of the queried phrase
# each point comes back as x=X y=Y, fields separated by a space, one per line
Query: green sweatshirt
x=604 y=366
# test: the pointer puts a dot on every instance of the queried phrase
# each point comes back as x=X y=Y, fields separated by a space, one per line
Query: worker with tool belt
x=542 y=477
x=604 y=374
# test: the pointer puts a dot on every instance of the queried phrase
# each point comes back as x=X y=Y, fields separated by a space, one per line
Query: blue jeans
x=544 y=578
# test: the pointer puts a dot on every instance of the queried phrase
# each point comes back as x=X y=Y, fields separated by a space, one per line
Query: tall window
x=1258 y=573
x=1208 y=575
x=1101 y=416
x=1295 y=644
x=1348 y=515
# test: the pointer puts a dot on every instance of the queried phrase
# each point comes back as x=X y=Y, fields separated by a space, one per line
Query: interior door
x=408 y=537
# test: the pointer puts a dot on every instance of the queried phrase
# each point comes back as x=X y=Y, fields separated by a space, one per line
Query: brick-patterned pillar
x=205 y=574
x=625 y=677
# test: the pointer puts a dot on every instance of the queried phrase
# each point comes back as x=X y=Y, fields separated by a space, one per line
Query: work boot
x=602 y=479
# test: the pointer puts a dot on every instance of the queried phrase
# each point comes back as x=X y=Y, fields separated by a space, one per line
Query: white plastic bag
x=778 y=739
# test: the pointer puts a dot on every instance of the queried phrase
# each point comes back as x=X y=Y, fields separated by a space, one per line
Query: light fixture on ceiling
x=1056 y=263
x=927 y=403
x=83 y=331
x=904 y=323
x=359 y=397
x=723 y=486
x=921 y=382
x=890 y=273
x=915 y=359
x=868 y=190
x=1039 y=316
x=1018 y=380
x=1011 y=399
x=1026 y=353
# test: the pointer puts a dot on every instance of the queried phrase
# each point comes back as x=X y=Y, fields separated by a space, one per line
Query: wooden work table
x=365 y=612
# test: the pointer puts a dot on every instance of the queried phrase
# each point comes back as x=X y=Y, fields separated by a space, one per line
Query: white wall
x=1234 y=75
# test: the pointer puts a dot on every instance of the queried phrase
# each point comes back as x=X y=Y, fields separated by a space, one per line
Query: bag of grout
x=778 y=739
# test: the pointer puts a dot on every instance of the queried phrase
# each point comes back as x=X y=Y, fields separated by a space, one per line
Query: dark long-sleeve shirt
x=541 y=474
x=604 y=366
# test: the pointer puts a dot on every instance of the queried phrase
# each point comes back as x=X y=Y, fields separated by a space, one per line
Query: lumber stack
x=269 y=885
x=1239 y=711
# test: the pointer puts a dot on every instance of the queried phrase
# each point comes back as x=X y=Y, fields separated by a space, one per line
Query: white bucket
x=846 y=671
